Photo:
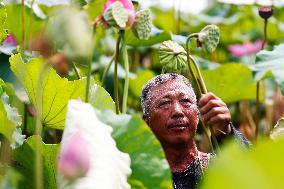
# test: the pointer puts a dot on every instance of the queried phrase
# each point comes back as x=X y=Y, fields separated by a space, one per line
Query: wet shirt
x=189 y=178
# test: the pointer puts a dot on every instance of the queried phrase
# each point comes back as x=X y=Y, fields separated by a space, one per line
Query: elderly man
x=170 y=109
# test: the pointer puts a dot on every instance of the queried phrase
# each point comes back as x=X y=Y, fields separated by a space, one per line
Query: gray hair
x=158 y=80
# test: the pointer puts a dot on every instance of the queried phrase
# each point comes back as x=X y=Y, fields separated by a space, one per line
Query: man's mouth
x=178 y=124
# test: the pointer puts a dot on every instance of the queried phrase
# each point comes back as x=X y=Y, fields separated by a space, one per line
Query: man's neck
x=180 y=156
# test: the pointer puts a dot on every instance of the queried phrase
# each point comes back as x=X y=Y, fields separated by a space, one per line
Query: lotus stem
x=116 y=98
x=126 y=67
x=23 y=24
x=189 y=58
x=265 y=33
x=90 y=58
x=76 y=70
x=31 y=23
x=106 y=70
x=38 y=129
x=257 y=101
x=201 y=90
x=257 y=110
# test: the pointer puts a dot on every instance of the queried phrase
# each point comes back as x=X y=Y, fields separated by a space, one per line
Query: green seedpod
x=116 y=15
x=143 y=24
x=208 y=37
x=172 y=56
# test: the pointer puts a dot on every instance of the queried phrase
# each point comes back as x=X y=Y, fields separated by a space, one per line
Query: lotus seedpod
x=208 y=37
x=172 y=56
x=116 y=15
x=143 y=24
x=265 y=12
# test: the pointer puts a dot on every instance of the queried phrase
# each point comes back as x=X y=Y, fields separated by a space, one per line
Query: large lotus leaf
x=164 y=19
x=7 y=126
x=135 y=87
x=33 y=24
x=3 y=18
x=56 y=91
x=157 y=36
x=10 y=119
x=95 y=8
x=100 y=98
x=270 y=64
x=148 y=164
x=136 y=84
x=231 y=82
x=260 y=168
x=24 y=157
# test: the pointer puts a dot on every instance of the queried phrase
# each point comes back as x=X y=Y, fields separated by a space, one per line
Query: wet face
x=173 y=113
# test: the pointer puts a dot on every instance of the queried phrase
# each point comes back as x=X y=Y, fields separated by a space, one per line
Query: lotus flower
x=128 y=7
x=10 y=40
x=109 y=167
x=74 y=160
x=9 y=45
x=247 y=48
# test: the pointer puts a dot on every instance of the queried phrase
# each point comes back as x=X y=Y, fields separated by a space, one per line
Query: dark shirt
x=189 y=178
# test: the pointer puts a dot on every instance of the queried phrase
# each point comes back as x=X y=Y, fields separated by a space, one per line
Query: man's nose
x=177 y=110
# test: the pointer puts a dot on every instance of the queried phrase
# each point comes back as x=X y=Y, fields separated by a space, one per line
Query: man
x=170 y=109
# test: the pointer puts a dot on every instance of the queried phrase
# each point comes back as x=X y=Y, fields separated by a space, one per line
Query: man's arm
x=216 y=113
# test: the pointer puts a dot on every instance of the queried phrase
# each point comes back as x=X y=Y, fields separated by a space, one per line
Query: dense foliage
x=55 y=51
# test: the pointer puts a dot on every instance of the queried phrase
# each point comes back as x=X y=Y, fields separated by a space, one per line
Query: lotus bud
x=265 y=12
x=208 y=37
x=74 y=160
x=172 y=56
x=10 y=40
x=143 y=24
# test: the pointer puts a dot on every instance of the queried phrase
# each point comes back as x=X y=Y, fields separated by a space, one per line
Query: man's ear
x=146 y=119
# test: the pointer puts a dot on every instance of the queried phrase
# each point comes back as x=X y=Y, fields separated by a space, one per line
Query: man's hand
x=215 y=113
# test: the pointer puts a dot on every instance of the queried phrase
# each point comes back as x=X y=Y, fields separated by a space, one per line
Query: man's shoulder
x=205 y=158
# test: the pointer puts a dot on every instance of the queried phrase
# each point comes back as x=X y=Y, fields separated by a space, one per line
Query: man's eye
x=164 y=103
x=185 y=100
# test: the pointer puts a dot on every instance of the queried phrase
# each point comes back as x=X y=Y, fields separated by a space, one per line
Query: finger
x=220 y=119
x=206 y=97
x=211 y=104
x=214 y=111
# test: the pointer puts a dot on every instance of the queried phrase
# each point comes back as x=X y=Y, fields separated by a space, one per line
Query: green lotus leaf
x=24 y=156
x=56 y=91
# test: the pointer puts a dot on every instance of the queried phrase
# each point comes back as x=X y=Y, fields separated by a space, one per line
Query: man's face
x=173 y=113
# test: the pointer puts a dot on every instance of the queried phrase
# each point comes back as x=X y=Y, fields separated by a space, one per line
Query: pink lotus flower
x=10 y=40
x=74 y=161
x=247 y=48
x=9 y=45
x=127 y=4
